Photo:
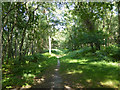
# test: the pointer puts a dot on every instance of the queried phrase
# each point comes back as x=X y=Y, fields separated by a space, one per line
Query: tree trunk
x=1 y=46
x=21 y=45
x=91 y=44
x=8 y=43
x=49 y=45
x=10 y=50
x=32 y=48
x=15 y=47
x=11 y=40
x=119 y=23
x=97 y=45
x=103 y=30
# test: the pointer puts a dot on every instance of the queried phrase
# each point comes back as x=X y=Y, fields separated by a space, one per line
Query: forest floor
x=73 y=70
x=89 y=70
x=51 y=79
x=80 y=72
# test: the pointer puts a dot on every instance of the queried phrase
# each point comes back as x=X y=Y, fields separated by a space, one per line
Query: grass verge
x=89 y=71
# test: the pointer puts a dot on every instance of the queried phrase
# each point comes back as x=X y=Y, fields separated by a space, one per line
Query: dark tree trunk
x=21 y=45
x=32 y=48
x=10 y=50
x=97 y=45
x=91 y=44
x=8 y=43
x=16 y=47
x=25 y=51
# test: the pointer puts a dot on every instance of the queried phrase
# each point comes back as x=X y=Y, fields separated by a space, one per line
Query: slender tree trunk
x=11 y=41
x=119 y=24
x=4 y=51
x=105 y=38
x=16 y=13
x=91 y=44
x=26 y=50
x=8 y=43
x=15 y=47
x=23 y=36
x=49 y=45
x=10 y=50
x=21 y=45
x=97 y=46
x=32 y=48
x=1 y=46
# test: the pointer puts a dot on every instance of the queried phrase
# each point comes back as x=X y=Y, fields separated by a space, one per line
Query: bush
x=113 y=51
x=116 y=55
x=18 y=72
x=56 y=51
x=79 y=53
x=109 y=53
x=33 y=58
x=38 y=57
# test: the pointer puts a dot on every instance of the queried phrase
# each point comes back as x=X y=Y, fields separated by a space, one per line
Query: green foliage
x=56 y=51
x=87 y=30
x=79 y=53
x=110 y=53
x=113 y=51
x=38 y=57
x=89 y=71
x=19 y=73
x=92 y=25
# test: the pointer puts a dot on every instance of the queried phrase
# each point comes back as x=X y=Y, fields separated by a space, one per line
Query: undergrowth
x=18 y=73
x=85 y=69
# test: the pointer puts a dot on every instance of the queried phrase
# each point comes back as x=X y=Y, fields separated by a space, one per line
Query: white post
x=49 y=45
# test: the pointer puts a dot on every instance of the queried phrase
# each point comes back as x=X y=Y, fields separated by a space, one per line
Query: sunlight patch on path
x=57 y=80
x=51 y=79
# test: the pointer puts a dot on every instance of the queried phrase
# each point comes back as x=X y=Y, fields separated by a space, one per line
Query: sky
x=60 y=11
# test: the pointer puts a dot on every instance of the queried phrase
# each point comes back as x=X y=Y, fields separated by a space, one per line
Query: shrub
x=79 y=53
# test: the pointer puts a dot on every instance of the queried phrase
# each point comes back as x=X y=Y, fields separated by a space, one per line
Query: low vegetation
x=84 y=69
x=18 y=74
x=85 y=36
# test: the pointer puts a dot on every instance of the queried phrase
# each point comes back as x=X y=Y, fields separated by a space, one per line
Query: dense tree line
x=95 y=25
x=30 y=29
x=25 y=28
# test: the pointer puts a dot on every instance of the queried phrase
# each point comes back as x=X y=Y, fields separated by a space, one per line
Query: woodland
x=84 y=36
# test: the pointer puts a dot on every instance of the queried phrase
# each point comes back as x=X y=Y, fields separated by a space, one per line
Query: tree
x=119 y=23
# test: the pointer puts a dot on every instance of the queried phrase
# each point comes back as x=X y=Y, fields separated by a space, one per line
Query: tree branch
x=10 y=11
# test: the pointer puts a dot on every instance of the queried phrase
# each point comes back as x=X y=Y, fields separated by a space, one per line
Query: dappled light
x=67 y=87
x=60 y=45
x=90 y=72
x=30 y=70
x=39 y=80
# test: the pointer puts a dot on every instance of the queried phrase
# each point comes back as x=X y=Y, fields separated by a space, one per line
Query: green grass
x=78 y=69
x=22 y=73
x=88 y=71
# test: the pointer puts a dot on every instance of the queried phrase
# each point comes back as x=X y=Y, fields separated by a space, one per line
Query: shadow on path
x=51 y=79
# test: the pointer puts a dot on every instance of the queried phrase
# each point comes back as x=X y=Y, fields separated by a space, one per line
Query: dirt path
x=51 y=79
x=57 y=80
